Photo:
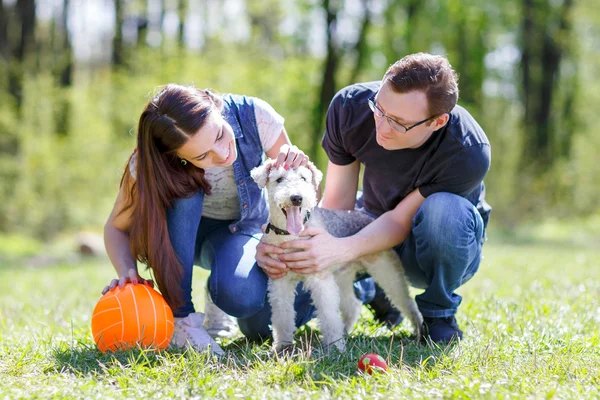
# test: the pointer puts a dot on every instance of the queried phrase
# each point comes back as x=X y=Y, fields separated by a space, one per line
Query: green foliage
x=530 y=317
x=63 y=175
x=17 y=247
x=69 y=181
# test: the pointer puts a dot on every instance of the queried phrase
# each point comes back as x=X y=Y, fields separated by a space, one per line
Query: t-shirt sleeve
x=463 y=174
x=269 y=123
x=333 y=138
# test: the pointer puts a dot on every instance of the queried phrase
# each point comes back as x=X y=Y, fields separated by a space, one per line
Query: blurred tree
x=361 y=48
x=63 y=70
x=25 y=47
x=117 y=43
x=66 y=50
x=182 y=10
x=49 y=156
x=401 y=29
x=3 y=31
x=265 y=17
x=467 y=48
x=142 y=23
x=545 y=38
x=328 y=82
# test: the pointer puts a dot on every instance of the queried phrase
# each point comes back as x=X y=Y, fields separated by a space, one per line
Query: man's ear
x=260 y=174
x=441 y=120
x=317 y=176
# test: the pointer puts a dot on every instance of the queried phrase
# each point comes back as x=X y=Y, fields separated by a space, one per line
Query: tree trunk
x=66 y=74
x=26 y=10
x=25 y=47
x=544 y=47
x=328 y=81
x=4 y=49
x=182 y=9
x=142 y=24
x=390 y=41
x=412 y=11
x=361 y=47
x=470 y=46
x=117 y=50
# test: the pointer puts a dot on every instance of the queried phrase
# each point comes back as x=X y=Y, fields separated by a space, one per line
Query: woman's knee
x=257 y=327
x=239 y=298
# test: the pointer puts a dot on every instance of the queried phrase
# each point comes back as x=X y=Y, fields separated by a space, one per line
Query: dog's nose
x=296 y=199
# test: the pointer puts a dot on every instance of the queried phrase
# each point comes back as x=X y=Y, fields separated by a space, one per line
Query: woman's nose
x=222 y=152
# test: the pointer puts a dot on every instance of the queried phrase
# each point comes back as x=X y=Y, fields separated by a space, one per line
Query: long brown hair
x=168 y=121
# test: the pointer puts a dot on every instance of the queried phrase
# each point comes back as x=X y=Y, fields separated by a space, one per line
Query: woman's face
x=212 y=146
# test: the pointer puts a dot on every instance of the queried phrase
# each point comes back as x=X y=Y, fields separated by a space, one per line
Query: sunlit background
x=75 y=74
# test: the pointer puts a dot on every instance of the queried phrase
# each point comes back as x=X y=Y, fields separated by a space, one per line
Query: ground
x=531 y=318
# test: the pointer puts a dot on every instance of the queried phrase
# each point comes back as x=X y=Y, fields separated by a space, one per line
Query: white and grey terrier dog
x=292 y=197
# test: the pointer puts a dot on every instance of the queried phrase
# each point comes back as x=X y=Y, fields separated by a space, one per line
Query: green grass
x=531 y=318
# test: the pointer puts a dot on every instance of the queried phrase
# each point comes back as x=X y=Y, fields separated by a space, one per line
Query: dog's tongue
x=294 y=220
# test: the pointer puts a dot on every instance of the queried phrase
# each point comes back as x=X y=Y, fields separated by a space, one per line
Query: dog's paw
x=418 y=326
x=284 y=349
x=339 y=344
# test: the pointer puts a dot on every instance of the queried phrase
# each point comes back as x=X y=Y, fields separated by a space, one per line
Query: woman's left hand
x=290 y=157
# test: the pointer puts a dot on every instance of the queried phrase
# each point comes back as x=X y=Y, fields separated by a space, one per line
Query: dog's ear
x=317 y=176
x=260 y=174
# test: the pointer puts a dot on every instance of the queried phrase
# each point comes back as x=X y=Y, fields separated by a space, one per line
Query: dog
x=292 y=199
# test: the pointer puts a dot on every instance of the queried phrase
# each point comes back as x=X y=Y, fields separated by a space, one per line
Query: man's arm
x=341 y=184
x=323 y=250
x=387 y=231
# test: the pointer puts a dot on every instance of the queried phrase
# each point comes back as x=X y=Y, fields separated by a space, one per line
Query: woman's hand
x=290 y=157
x=274 y=268
x=131 y=277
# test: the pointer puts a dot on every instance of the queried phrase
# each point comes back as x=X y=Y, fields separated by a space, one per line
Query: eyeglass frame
x=375 y=108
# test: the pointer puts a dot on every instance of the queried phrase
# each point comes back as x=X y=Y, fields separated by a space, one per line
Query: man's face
x=408 y=109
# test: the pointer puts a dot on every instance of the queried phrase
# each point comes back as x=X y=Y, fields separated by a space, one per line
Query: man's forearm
x=331 y=203
x=382 y=234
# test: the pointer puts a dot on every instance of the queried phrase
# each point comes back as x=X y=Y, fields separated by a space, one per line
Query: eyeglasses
x=393 y=123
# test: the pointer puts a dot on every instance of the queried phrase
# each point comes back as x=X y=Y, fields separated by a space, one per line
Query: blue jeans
x=236 y=284
x=442 y=252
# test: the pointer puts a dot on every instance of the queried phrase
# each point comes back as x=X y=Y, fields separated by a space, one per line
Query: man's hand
x=273 y=268
x=316 y=254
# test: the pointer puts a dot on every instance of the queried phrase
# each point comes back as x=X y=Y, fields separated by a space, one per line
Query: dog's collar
x=279 y=231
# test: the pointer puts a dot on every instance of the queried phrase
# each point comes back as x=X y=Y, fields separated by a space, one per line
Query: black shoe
x=441 y=330
x=383 y=311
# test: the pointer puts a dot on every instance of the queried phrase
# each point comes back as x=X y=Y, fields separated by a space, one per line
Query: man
x=424 y=162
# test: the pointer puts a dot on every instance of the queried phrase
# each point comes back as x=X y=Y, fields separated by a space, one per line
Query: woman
x=187 y=197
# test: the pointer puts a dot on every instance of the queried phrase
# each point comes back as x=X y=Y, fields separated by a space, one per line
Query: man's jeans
x=442 y=252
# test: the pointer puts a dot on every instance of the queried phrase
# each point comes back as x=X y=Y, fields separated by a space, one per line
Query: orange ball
x=132 y=316
x=372 y=362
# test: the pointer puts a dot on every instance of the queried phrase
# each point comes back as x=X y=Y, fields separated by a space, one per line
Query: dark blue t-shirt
x=454 y=159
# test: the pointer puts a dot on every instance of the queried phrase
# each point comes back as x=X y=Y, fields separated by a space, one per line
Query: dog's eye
x=279 y=180
x=304 y=179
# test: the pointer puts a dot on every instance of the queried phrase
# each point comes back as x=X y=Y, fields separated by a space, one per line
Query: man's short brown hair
x=428 y=73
